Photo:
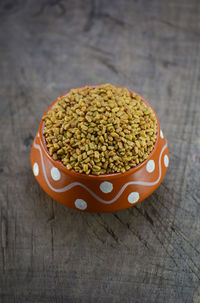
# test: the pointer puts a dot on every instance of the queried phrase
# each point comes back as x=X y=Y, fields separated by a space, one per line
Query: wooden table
x=150 y=252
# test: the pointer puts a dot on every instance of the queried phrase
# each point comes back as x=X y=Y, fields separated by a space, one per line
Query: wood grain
x=150 y=252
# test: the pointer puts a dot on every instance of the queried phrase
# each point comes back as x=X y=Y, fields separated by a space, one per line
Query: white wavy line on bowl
x=69 y=186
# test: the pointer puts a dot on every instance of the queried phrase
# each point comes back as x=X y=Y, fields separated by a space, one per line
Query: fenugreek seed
x=60 y=152
x=113 y=134
x=111 y=153
x=78 y=151
x=56 y=146
x=55 y=157
x=136 y=149
x=130 y=143
x=56 y=131
x=69 y=135
x=101 y=139
x=88 y=118
x=85 y=167
x=96 y=154
x=69 y=166
x=115 y=158
x=84 y=127
x=84 y=155
x=79 y=158
x=95 y=167
x=89 y=152
x=137 y=144
x=96 y=126
x=96 y=172
x=51 y=150
x=66 y=126
x=143 y=143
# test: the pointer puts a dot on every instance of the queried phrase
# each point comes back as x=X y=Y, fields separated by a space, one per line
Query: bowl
x=103 y=193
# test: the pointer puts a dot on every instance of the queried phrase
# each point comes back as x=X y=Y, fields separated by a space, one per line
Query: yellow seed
x=84 y=127
x=115 y=158
x=137 y=143
x=51 y=150
x=60 y=152
x=101 y=139
x=95 y=167
x=84 y=155
x=89 y=152
x=100 y=127
x=56 y=146
x=55 y=157
x=78 y=151
x=136 y=149
x=106 y=154
x=113 y=134
x=79 y=158
x=56 y=131
x=96 y=154
x=69 y=135
x=85 y=167
x=88 y=118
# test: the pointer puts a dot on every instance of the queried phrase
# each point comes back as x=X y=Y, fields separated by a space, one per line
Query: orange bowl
x=103 y=193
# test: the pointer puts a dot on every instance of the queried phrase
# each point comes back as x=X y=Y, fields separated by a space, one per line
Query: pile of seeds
x=100 y=130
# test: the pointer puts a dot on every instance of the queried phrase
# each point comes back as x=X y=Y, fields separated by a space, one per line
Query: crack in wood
x=196 y=200
x=134 y=232
x=179 y=232
x=51 y=3
x=175 y=26
x=180 y=253
x=91 y=16
x=108 y=64
x=94 y=232
x=108 y=229
x=4 y=232
x=159 y=240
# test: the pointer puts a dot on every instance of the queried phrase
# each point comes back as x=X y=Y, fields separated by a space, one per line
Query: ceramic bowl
x=103 y=193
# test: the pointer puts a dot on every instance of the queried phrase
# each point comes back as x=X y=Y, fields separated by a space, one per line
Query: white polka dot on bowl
x=36 y=169
x=55 y=174
x=133 y=197
x=80 y=204
x=166 y=161
x=106 y=187
x=150 y=166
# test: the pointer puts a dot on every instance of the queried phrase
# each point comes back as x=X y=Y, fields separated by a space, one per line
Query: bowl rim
x=62 y=167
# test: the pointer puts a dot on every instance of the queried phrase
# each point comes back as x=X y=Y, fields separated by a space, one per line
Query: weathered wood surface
x=150 y=252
